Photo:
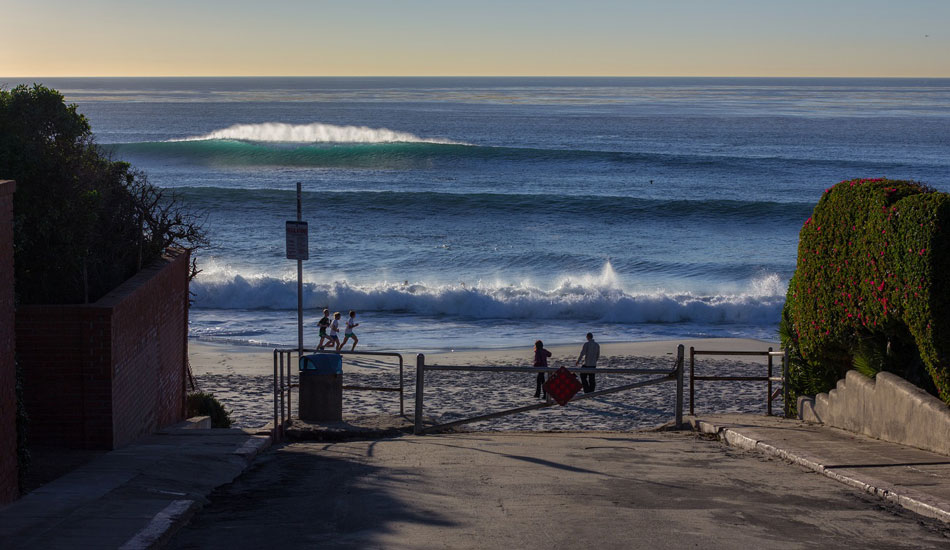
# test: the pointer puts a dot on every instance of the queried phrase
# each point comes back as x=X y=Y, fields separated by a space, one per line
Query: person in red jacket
x=540 y=360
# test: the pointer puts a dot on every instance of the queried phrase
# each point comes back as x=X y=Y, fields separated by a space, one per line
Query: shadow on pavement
x=290 y=499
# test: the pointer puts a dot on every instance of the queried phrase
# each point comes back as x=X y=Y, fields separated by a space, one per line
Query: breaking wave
x=278 y=132
x=589 y=297
x=326 y=145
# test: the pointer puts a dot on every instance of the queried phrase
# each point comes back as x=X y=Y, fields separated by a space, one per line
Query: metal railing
x=771 y=396
x=421 y=368
x=284 y=384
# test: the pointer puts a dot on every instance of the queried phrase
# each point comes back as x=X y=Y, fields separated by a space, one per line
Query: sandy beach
x=242 y=379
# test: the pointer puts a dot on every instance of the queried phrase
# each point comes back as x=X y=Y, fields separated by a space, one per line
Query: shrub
x=871 y=281
x=206 y=404
x=83 y=223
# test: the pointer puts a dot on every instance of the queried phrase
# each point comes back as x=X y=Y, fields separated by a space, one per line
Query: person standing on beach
x=590 y=353
x=323 y=325
x=540 y=360
x=348 y=333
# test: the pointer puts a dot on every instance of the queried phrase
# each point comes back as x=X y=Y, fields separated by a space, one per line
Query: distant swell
x=493 y=204
x=600 y=299
x=352 y=147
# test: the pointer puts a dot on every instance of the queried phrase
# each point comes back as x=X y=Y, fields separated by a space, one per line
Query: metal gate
x=675 y=375
x=768 y=378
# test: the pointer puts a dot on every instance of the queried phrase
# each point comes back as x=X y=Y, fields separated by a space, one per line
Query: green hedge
x=873 y=269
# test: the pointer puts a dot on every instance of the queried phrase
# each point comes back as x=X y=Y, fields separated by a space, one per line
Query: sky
x=847 y=38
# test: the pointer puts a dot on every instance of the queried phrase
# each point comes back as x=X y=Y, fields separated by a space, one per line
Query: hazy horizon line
x=478 y=76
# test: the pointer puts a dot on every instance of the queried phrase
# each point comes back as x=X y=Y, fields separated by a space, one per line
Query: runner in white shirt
x=350 y=325
x=335 y=331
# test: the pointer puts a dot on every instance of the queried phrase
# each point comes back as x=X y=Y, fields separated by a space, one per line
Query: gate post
x=283 y=410
x=692 y=372
x=276 y=432
x=290 y=384
x=768 y=406
x=679 y=386
x=420 y=384
x=785 y=379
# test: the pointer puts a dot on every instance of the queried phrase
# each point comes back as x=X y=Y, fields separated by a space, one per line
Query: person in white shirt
x=590 y=353
x=348 y=333
x=335 y=332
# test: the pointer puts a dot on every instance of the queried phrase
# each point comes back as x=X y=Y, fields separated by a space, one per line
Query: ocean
x=460 y=213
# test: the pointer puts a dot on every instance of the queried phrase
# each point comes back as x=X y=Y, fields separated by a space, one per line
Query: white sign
x=298 y=245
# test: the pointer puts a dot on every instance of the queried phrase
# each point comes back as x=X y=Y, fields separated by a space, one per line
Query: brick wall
x=148 y=381
x=100 y=376
x=8 y=457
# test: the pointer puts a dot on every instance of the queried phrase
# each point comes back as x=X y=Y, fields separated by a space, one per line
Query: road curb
x=161 y=528
x=178 y=513
x=909 y=499
x=253 y=447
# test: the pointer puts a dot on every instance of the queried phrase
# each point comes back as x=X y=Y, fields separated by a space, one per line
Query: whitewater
x=598 y=299
x=310 y=133
x=455 y=213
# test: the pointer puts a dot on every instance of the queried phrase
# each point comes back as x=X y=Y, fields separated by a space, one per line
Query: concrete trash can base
x=321 y=387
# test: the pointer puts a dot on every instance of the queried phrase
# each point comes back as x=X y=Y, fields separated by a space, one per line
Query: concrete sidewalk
x=134 y=497
x=912 y=478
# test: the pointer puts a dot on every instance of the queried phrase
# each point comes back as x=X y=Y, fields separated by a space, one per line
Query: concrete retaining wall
x=8 y=455
x=887 y=408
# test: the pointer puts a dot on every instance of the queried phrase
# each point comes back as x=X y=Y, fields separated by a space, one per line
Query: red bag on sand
x=562 y=385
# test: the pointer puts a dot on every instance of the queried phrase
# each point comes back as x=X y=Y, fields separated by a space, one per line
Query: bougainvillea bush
x=872 y=273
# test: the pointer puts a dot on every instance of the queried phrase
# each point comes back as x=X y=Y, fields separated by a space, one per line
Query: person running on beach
x=335 y=332
x=348 y=333
x=590 y=353
x=540 y=360
x=324 y=324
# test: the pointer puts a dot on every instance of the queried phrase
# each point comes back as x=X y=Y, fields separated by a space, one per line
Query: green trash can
x=321 y=387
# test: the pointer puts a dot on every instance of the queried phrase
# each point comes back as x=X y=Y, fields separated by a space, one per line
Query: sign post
x=298 y=248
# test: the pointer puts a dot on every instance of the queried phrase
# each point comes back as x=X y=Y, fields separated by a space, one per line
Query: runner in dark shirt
x=324 y=324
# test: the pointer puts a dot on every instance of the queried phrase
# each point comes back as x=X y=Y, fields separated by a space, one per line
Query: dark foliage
x=82 y=222
x=871 y=284
x=205 y=404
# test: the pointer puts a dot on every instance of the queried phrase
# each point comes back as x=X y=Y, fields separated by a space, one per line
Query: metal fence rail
x=421 y=368
x=770 y=395
x=284 y=384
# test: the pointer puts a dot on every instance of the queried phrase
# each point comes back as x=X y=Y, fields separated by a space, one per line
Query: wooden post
x=290 y=384
x=679 y=386
x=785 y=378
x=692 y=374
x=281 y=390
x=420 y=384
x=768 y=397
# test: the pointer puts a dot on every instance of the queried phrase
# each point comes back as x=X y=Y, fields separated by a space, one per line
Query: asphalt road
x=557 y=490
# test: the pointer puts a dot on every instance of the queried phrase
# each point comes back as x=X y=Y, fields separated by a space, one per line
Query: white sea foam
x=312 y=133
x=590 y=297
